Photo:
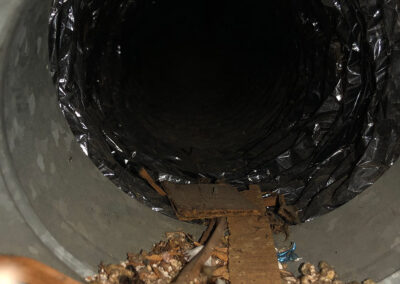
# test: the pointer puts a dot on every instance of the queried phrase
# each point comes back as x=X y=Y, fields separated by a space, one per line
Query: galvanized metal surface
x=58 y=207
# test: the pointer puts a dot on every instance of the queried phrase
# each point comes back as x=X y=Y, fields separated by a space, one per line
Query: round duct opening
x=293 y=95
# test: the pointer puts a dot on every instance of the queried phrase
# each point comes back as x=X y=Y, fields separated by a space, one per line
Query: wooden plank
x=145 y=175
x=270 y=201
x=252 y=255
x=202 y=201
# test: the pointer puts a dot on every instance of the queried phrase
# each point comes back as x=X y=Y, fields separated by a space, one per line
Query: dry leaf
x=154 y=257
x=221 y=255
x=223 y=250
x=221 y=272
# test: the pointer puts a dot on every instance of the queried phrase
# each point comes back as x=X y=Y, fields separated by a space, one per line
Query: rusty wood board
x=252 y=255
x=270 y=201
x=199 y=201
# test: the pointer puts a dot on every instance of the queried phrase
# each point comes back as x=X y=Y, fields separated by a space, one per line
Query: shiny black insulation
x=301 y=97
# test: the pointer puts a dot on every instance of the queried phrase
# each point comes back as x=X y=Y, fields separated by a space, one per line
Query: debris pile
x=164 y=262
x=310 y=275
x=246 y=240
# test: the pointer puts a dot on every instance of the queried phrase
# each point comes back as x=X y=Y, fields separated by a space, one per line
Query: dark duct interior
x=291 y=95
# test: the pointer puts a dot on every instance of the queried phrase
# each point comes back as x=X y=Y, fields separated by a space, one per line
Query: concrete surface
x=56 y=207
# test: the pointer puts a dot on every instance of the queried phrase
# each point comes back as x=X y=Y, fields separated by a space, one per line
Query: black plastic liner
x=298 y=96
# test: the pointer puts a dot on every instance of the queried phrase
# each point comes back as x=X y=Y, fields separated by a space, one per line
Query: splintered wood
x=200 y=201
x=146 y=176
x=252 y=255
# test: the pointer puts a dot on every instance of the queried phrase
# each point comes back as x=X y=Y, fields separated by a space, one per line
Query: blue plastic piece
x=288 y=255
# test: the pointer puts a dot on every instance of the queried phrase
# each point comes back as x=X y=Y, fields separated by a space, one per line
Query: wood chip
x=154 y=257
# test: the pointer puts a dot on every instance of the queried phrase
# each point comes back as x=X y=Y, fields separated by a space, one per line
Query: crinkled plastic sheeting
x=332 y=130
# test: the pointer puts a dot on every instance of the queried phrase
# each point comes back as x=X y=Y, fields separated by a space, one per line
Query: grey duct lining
x=12 y=183
x=75 y=203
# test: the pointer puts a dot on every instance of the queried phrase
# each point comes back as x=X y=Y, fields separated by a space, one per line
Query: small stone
x=328 y=273
x=306 y=279
x=308 y=269
x=324 y=265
